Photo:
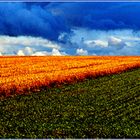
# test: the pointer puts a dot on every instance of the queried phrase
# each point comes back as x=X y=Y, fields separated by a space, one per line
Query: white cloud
x=81 y=42
x=28 y=50
x=12 y=45
x=27 y=41
x=20 y=53
x=40 y=53
x=25 y=51
x=112 y=42
x=81 y=51
x=132 y=37
x=80 y=33
x=117 y=42
x=55 y=52
x=0 y=54
x=95 y=43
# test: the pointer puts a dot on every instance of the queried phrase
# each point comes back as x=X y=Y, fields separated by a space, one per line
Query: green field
x=105 y=107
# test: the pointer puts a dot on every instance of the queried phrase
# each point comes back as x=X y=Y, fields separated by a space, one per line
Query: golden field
x=20 y=75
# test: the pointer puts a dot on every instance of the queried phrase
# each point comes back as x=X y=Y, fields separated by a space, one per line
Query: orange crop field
x=19 y=75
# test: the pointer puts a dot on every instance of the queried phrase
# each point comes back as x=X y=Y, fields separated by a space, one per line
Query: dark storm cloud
x=102 y=16
x=50 y=19
x=30 y=20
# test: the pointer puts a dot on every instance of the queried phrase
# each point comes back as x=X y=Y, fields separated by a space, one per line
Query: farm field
x=70 y=70
x=104 y=107
x=20 y=75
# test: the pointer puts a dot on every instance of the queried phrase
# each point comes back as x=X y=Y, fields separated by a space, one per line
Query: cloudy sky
x=64 y=28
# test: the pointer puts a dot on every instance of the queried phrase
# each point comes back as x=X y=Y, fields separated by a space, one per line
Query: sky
x=69 y=28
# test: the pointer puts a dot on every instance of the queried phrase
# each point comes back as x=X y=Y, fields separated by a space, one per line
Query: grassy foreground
x=106 y=107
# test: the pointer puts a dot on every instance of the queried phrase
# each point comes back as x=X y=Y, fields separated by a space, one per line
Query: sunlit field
x=20 y=75
x=70 y=97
